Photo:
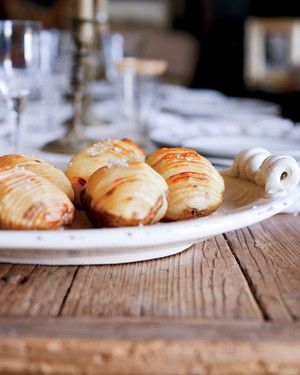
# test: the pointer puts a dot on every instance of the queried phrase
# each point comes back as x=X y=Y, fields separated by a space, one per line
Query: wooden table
x=228 y=305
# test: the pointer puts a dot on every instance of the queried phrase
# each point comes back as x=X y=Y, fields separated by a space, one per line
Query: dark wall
x=219 y=27
x=275 y=8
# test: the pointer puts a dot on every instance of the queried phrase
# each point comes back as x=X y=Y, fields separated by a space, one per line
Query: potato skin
x=30 y=202
x=41 y=168
x=86 y=162
x=121 y=195
x=196 y=187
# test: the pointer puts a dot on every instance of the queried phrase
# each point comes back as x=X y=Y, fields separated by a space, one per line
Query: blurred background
x=204 y=41
x=218 y=76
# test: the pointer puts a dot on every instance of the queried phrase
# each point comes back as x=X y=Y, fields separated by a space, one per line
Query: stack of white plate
x=220 y=127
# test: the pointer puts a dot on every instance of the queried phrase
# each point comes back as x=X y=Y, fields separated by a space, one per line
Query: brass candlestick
x=84 y=34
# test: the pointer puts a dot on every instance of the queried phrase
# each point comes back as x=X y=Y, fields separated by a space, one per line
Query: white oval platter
x=243 y=205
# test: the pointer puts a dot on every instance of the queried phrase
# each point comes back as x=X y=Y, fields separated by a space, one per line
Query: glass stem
x=18 y=107
x=16 y=143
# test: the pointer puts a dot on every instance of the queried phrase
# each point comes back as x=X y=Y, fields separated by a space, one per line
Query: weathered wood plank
x=147 y=347
x=33 y=290
x=269 y=254
x=3 y=270
x=203 y=282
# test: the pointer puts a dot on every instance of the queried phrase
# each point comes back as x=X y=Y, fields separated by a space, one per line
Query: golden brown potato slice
x=84 y=164
x=196 y=187
x=125 y=194
x=29 y=201
x=41 y=168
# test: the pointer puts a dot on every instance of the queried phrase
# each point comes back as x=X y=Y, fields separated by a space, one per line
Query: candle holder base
x=67 y=145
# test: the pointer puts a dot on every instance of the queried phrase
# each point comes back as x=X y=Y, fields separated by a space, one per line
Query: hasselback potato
x=29 y=201
x=41 y=168
x=84 y=164
x=196 y=187
x=125 y=194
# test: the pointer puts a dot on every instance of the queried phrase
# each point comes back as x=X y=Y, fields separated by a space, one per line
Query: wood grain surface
x=269 y=255
x=228 y=305
x=203 y=282
x=140 y=346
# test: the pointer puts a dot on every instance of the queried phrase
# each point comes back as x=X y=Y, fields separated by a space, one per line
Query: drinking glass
x=139 y=80
x=113 y=48
x=19 y=66
x=56 y=63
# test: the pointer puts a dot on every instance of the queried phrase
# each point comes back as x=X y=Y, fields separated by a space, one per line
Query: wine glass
x=139 y=80
x=19 y=66
x=113 y=49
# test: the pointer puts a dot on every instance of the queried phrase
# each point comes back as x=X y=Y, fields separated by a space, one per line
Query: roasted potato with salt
x=196 y=187
x=41 y=168
x=84 y=164
x=30 y=202
x=125 y=194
